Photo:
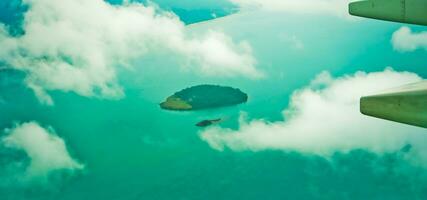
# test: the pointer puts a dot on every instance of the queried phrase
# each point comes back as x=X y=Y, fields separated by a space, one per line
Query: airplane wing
x=407 y=104
x=405 y=11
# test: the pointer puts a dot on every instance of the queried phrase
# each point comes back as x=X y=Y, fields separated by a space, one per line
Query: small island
x=204 y=97
x=208 y=122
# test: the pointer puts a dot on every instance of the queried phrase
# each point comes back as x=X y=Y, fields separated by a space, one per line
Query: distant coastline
x=203 y=15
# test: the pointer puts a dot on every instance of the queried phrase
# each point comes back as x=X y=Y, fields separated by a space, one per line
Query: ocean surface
x=132 y=149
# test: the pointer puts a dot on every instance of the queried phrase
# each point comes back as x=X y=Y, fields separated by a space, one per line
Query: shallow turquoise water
x=134 y=150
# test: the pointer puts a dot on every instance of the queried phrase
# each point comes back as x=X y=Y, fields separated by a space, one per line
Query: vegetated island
x=204 y=97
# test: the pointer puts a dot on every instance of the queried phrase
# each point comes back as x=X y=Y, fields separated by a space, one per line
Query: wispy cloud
x=76 y=45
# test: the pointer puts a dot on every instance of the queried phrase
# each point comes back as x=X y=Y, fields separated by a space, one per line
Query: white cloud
x=325 y=7
x=406 y=40
x=324 y=118
x=217 y=55
x=47 y=152
x=75 y=45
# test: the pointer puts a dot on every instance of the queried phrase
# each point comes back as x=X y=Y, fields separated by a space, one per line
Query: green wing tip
x=407 y=105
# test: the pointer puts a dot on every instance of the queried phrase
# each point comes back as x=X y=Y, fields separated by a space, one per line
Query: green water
x=132 y=149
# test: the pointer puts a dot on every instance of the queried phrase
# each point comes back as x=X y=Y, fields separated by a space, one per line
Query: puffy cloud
x=47 y=152
x=324 y=118
x=75 y=45
x=406 y=40
x=325 y=7
x=217 y=55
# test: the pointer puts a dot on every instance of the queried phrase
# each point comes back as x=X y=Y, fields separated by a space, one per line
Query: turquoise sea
x=131 y=149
